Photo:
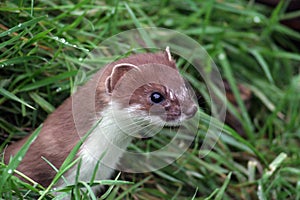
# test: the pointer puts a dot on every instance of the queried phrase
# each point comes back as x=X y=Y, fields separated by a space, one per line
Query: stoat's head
x=150 y=88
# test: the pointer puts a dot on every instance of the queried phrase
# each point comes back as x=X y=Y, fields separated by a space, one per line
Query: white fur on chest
x=107 y=142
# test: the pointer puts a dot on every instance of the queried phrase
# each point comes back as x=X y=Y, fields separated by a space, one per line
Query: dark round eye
x=156 y=97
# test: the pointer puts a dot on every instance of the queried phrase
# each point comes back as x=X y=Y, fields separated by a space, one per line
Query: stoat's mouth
x=143 y=136
x=172 y=124
x=172 y=118
x=150 y=125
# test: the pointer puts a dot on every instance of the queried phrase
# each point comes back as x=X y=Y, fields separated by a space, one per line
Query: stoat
x=145 y=89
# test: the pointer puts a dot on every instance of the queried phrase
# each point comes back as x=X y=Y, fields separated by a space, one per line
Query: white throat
x=107 y=142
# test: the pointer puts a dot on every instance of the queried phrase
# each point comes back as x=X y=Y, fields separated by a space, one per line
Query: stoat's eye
x=156 y=97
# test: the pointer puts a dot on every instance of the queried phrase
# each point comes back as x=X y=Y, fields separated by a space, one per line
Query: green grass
x=41 y=43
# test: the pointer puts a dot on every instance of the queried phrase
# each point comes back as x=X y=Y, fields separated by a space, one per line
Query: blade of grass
x=233 y=85
x=263 y=183
x=143 y=33
x=121 y=196
x=48 y=81
x=16 y=159
x=10 y=95
x=22 y=26
x=263 y=64
x=220 y=193
x=42 y=102
x=69 y=161
x=89 y=189
x=275 y=164
x=107 y=193
x=19 y=60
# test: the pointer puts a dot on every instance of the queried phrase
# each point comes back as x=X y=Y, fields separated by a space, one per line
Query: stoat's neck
x=108 y=140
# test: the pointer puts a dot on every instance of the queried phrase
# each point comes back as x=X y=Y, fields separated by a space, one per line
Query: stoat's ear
x=118 y=71
x=167 y=52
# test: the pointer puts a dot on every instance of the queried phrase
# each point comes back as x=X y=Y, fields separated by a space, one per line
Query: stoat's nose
x=191 y=111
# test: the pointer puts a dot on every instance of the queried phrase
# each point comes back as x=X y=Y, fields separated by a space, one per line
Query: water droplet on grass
x=113 y=11
x=169 y=22
x=58 y=89
x=63 y=40
x=256 y=19
x=221 y=56
x=10 y=171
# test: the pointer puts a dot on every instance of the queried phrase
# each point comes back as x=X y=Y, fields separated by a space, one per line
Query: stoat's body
x=144 y=87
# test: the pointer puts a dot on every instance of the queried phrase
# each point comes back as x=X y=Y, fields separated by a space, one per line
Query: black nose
x=191 y=111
